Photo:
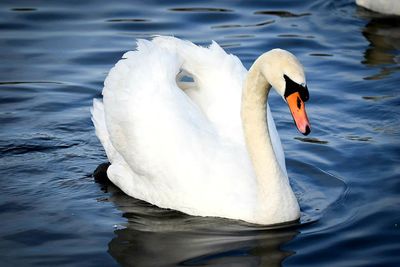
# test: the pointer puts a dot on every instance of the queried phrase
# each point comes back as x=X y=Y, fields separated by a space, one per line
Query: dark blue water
x=54 y=56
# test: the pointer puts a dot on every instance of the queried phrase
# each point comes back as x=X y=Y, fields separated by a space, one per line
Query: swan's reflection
x=383 y=33
x=157 y=237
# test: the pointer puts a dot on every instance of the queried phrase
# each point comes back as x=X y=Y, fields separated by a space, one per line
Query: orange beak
x=298 y=110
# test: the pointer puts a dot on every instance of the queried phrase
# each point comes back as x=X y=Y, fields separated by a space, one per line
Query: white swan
x=201 y=147
x=389 y=7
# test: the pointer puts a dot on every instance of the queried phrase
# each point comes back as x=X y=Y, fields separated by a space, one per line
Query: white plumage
x=389 y=7
x=181 y=145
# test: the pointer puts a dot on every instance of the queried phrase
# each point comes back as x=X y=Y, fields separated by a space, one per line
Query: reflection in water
x=383 y=33
x=159 y=237
x=156 y=237
x=132 y=247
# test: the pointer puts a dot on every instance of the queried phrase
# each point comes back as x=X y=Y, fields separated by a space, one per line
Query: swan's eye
x=293 y=87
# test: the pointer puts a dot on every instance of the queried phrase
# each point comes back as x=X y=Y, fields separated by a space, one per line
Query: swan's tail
x=101 y=129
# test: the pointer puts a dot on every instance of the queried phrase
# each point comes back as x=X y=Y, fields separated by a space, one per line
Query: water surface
x=54 y=58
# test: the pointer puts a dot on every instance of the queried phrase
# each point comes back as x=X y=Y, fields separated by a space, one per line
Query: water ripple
x=201 y=9
x=280 y=13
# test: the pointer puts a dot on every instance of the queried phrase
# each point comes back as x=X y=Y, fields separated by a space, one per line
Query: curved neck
x=254 y=117
x=274 y=191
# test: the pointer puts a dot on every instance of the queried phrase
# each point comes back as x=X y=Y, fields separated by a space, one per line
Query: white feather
x=389 y=7
x=180 y=149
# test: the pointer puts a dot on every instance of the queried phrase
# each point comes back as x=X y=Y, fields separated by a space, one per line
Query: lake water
x=54 y=56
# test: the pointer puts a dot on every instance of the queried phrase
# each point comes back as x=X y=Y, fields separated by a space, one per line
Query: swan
x=206 y=146
x=388 y=7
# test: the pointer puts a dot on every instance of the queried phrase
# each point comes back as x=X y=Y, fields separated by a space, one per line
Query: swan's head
x=286 y=75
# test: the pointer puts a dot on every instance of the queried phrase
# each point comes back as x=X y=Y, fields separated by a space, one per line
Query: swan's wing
x=99 y=123
x=119 y=172
x=173 y=150
x=217 y=88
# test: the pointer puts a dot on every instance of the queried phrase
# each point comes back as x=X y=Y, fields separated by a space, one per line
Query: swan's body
x=182 y=145
x=389 y=7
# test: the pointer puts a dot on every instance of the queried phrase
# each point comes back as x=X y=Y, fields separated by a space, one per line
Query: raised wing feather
x=166 y=142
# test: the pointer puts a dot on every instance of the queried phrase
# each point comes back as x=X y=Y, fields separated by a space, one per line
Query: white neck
x=276 y=201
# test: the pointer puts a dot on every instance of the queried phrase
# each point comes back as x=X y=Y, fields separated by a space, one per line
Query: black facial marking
x=298 y=103
x=292 y=87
